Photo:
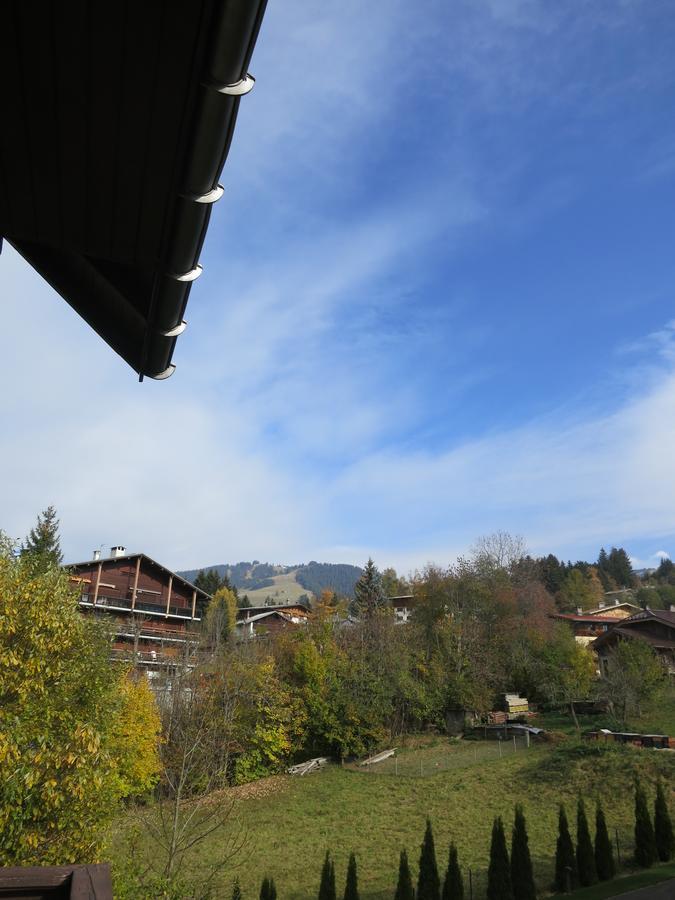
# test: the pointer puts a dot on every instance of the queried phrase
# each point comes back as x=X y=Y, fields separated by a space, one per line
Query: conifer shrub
x=663 y=826
x=565 y=860
x=428 y=881
x=499 y=871
x=352 y=885
x=585 y=853
x=604 y=855
x=645 y=840
x=404 y=887
x=453 y=886
x=522 y=877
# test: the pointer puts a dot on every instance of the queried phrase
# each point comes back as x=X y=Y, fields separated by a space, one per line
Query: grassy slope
x=377 y=815
x=284 y=590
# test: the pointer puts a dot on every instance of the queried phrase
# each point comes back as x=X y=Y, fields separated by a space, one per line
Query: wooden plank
x=379 y=757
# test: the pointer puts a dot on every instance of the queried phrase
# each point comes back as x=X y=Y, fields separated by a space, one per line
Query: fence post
x=527 y=739
x=500 y=749
x=618 y=850
x=514 y=743
x=396 y=764
x=470 y=885
x=421 y=770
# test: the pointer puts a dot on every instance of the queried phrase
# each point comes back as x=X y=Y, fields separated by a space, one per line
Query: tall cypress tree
x=604 y=855
x=352 y=885
x=663 y=827
x=565 y=859
x=327 y=885
x=272 y=892
x=428 y=882
x=499 y=872
x=645 y=840
x=236 y=890
x=585 y=853
x=265 y=889
x=453 y=886
x=404 y=888
x=522 y=877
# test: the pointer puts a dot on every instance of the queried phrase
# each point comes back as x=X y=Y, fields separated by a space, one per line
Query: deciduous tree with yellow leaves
x=62 y=706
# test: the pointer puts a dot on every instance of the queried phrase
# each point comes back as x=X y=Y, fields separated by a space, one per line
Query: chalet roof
x=630 y=628
x=633 y=634
x=248 y=612
x=128 y=557
x=585 y=617
x=624 y=604
x=117 y=119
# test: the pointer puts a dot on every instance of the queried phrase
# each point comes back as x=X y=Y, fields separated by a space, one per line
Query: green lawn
x=339 y=809
x=620 y=886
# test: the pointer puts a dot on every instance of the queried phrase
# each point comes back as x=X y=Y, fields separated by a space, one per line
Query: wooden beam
x=168 y=596
x=133 y=593
x=98 y=579
x=194 y=603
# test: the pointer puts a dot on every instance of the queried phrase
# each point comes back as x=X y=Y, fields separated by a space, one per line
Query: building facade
x=155 y=613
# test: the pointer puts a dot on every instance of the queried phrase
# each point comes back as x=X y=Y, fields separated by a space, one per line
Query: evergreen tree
x=327 y=886
x=645 y=841
x=453 y=886
x=604 y=855
x=43 y=541
x=585 y=854
x=428 y=882
x=352 y=886
x=499 y=872
x=522 y=877
x=663 y=827
x=404 y=888
x=368 y=594
x=565 y=860
x=265 y=889
x=236 y=890
x=619 y=567
x=272 y=894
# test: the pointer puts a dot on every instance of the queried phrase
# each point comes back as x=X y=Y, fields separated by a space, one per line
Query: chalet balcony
x=124 y=604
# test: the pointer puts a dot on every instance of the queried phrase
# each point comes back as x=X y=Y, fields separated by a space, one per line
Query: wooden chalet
x=403 y=607
x=655 y=626
x=156 y=613
x=586 y=627
x=254 y=621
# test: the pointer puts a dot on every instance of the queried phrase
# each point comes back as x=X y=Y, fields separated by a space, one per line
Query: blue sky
x=437 y=302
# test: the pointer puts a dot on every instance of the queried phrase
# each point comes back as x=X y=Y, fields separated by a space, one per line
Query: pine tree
x=522 y=877
x=368 y=594
x=428 y=882
x=565 y=860
x=236 y=890
x=499 y=872
x=604 y=855
x=404 y=888
x=43 y=541
x=645 y=840
x=352 y=886
x=663 y=827
x=453 y=886
x=327 y=886
x=585 y=854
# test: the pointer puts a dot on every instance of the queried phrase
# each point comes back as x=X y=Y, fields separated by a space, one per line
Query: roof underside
x=116 y=120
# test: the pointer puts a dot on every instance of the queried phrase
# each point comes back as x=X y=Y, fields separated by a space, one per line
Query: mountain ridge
x=280 y=580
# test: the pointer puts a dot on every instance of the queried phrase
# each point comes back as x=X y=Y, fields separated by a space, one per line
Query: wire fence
x=430 y=760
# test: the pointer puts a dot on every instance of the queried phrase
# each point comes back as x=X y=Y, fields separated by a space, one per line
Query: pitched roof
x=143 y=556
x=585 y=617
x=117 y=119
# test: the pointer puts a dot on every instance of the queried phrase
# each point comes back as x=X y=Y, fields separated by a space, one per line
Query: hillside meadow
x=289 y=823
